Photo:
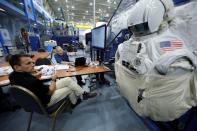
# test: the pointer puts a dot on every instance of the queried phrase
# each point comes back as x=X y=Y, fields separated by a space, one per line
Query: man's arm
x=65 y=59
x=37 y=73
x=52 y=87
x=57 y=58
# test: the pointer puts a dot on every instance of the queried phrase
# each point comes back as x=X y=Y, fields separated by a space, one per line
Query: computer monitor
x=99 y=37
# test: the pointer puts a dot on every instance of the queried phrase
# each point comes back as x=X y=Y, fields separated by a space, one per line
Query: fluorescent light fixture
x=72 y=7
x=66 y=1
x=2 y=10
x=55 y=0
x=21 y=3
x=90 y=4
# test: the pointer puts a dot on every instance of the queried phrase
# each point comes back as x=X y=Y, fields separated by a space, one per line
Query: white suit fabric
x=185 y=24
x=151 y=94
x=178 y=56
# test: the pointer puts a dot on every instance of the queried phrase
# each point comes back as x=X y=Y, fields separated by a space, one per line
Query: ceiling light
x=114 y=2
x=109 y=7
x=58 y=9
x=72 y=7
x=108 y=1
x=90 y=4
x=2 y=10
x=66 y=1
x=107 y=15
x=55 y=0
x=21 y=3
x=99 y=10
x=86 y=11
x=73 y=14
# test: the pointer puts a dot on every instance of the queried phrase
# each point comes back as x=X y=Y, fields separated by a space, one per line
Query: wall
x=12 y=24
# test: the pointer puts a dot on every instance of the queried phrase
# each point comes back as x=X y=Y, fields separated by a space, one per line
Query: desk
x=80 y=70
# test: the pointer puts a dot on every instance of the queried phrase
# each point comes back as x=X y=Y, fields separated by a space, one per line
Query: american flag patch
x=169 y=46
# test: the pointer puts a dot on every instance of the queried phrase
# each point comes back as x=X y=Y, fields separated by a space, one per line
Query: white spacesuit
x=155 y=70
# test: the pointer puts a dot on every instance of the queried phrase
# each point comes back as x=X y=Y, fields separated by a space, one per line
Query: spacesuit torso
x=151 y=93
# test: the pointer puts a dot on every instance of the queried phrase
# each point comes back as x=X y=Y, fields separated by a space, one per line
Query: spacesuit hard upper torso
x=159 y=94
x=162 y=44
x=144 y=55
x=156 y=71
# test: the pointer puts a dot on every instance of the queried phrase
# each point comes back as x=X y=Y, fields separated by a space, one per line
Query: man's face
x=27 y=65
x=59 y=51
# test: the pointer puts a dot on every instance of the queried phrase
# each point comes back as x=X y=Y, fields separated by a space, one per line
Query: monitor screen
x=99 y=37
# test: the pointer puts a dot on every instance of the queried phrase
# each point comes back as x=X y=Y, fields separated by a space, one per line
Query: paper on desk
x=4 y=82
x=5 y=70
x=61 y=67
x=46 y=77
x=46 y=70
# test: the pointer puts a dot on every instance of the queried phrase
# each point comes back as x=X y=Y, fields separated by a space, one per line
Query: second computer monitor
x=99 y=37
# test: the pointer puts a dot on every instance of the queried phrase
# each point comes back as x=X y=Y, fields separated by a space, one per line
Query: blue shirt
x=60 y=58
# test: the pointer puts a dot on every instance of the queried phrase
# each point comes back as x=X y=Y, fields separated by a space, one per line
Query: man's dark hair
x=23 y=30
x=7 y=57
x=15 y=59
x=41 y=50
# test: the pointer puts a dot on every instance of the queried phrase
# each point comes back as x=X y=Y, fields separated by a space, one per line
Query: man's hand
x=54 y=77
x=37 y=74
x=52 y=86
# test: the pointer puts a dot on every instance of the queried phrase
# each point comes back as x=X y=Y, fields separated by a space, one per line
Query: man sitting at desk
x=62 y=58
x=25 y=75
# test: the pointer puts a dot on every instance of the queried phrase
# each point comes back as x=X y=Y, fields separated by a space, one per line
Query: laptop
x=80 y=61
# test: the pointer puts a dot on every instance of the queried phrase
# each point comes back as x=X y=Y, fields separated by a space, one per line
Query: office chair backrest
x=27 y=100
x=42 y=61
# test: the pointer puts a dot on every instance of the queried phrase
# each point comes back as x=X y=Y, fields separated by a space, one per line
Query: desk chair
x=31 y=103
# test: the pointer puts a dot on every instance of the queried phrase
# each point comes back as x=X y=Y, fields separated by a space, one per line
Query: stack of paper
x=61 y=67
